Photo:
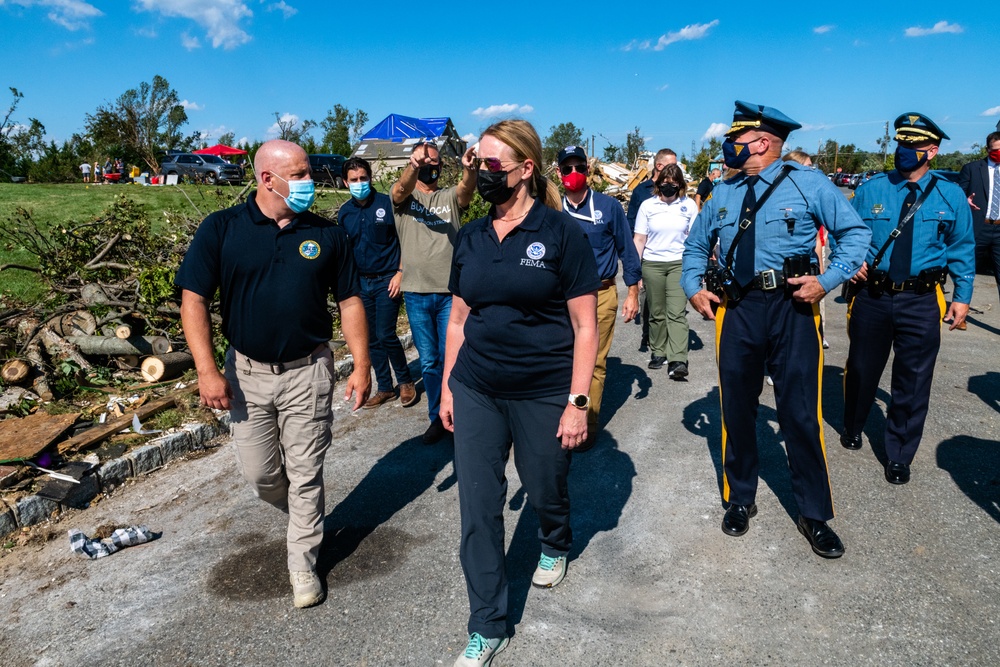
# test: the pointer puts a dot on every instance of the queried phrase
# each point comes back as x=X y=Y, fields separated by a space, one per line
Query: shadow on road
x=600 y=483
x=618 y=387
x=974 y=465
x=396 y=480
x=987 y=388
x=982 y=325
x=833 y=411
x=704 y=418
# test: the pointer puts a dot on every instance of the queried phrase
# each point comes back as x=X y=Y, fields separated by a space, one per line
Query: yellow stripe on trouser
x=941 y=302
x=720 y=315
x=819 y=398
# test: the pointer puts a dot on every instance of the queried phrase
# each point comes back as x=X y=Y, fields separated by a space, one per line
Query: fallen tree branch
x=95 y=262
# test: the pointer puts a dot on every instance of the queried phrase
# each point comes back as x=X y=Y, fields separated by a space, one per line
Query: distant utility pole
x=885 y=145
x=836 y=155
x=591 y=145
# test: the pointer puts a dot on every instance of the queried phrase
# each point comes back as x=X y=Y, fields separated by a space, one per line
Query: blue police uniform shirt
x=372 y=229
x=942 y=227
x=518 y=335
x=641 y=193
x=786 y=225
x=603 y=221
x=273 y=283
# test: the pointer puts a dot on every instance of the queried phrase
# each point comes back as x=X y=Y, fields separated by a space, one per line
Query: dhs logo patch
x=309 y=249
x=380 y=212
x=598 y=216
x=535 y=252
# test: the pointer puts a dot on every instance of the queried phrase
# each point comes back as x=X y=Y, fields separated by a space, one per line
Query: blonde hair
x=522 y=139
x=798 y=156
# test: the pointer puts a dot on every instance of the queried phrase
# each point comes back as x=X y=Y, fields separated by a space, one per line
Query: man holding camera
x=921 y=232
x=765 y=221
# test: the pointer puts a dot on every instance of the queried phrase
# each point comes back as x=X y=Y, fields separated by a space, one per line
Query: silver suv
x=208 y=168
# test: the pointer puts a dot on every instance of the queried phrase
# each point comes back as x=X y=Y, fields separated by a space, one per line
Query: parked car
x=327 y=167
x=208 y=168
x=842 y=179
x=858 y=179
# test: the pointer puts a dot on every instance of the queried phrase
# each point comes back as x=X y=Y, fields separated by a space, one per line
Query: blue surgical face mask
x=909 y=159
x=301 y=193
x=360 y=190
x=736 y=154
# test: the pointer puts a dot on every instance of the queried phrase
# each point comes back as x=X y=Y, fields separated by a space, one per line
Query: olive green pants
x=668 y=326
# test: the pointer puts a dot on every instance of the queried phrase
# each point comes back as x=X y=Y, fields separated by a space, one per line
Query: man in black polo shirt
x=274 y=264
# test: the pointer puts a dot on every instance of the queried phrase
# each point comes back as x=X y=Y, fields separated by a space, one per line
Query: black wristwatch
x=581 y=401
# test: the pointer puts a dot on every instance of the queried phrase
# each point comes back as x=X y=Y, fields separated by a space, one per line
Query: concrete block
x=173 y=445
x=199 y=434
x=114 y=473
x=34 y=509
x=344 y=368
x=81 y=494
x=225 y=423
x=8 y=522
x=145 y=459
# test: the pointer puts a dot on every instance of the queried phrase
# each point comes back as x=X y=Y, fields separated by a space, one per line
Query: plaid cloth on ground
x=121 y=538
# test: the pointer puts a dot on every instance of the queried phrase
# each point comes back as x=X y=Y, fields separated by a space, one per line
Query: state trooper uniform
x=760 y=327
x=901 y=304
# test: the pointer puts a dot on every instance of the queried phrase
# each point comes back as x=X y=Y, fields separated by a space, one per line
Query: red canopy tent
x=220 y=150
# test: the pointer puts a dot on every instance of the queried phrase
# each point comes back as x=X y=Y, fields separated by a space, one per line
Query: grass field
x=61 y=204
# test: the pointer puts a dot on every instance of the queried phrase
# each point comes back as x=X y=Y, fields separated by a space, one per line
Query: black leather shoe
x=737 y=519
x=434 y=432
x=897 y=473
x=657 y=362
x=821 y=537
x=850 y=441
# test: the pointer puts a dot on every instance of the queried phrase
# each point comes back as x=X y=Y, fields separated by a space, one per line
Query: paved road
x=653 y=580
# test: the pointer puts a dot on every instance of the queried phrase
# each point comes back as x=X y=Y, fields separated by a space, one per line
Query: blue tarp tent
x=395 y=127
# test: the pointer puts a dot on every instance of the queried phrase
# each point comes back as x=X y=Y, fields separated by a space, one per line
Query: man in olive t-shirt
x=427 y=219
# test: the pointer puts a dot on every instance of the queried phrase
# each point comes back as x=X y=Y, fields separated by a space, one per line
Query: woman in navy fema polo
x=520 y=352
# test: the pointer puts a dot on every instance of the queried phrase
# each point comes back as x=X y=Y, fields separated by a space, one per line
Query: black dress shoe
x=657 y=362
x=850 y=441
x=897 y=473
x=821 y=537
x=434 y=432
x=737 y=519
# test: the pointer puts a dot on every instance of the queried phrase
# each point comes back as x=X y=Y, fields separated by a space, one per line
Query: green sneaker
x=481 y=651
x=550 y=571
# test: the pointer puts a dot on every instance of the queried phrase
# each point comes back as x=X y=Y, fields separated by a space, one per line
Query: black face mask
x=667 y=189
x=492 y=186
x=428 y=174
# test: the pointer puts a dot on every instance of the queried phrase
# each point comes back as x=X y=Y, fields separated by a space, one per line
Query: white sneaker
x=770 y=382
x=307 y=588
x=481 y=651
x=550 y=571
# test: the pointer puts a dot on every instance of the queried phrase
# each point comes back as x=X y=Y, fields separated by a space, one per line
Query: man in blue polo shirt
x=603 y=220
x=274 y=264
x=367 y=217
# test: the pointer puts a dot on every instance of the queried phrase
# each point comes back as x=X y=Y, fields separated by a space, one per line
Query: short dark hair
x=673 y=174
x=991 y=137
x=356 y=163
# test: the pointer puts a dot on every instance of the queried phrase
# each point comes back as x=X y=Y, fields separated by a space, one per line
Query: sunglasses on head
x=568 y=169
x=492 y=164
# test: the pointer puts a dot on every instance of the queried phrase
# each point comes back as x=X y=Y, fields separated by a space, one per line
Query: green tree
x=228 y=139
x=140 y=124
x=20 y=144
x=560 y=136
x=341 y=129
x=699 y=163
x=627 y=152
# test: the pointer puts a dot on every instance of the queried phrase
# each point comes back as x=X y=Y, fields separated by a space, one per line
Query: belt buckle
x=276 y=368
x=768 y=280
x=897 y=287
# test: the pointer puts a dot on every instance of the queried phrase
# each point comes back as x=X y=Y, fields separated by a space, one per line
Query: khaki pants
x=607 y=309
x=281 y=428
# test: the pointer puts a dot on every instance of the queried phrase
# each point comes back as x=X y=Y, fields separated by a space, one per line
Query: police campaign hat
x=571 y=151
x=749 y=116
x=914 y=127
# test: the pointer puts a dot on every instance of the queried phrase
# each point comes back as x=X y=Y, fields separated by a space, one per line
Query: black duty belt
x=771 y=279
x=878 y=282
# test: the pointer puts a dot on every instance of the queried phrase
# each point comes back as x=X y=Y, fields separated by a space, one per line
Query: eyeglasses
x=492 y=164
x=568 y=169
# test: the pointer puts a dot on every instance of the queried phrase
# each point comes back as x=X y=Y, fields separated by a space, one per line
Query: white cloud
x=282 y=7
x=715 y=130
x=689 y=32
x=502 y=110
x=190 y=43
x=70 y=14
x=823 y=29
x=663 y=87
x=148 y=33
x=220 y=19
x=212 y=132
x=191 y=106
x=242 y=141
x=939 y=28
x=470 y=138
x=995 y=111
x=809 y=127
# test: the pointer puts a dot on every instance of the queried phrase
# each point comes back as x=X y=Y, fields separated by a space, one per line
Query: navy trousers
x=384 y=346
x=485 y=428
x=772 y=331
x=988 y=248
x=910 y=325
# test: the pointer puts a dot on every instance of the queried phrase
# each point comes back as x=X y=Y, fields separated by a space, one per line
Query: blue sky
x=840 y=69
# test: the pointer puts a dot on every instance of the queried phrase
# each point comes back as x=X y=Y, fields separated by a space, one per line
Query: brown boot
x=407 y=394
x=379 y=398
